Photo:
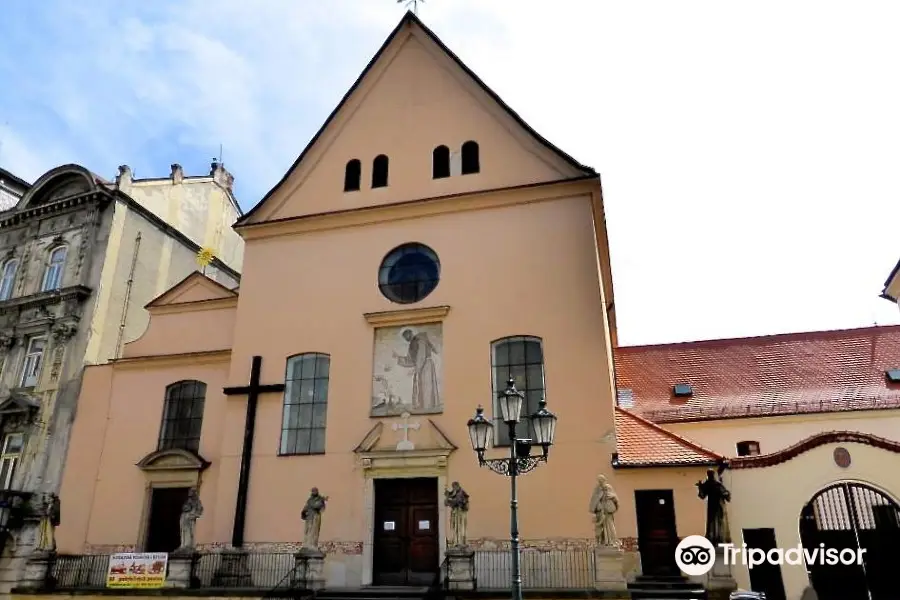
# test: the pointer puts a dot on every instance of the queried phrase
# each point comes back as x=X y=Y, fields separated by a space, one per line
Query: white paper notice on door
x=424 y=525
x=389 y=525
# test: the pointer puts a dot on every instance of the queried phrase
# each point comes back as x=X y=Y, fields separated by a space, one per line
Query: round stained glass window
x=409 y=273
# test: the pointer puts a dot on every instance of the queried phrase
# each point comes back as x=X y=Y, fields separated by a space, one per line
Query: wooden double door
x=406 y=549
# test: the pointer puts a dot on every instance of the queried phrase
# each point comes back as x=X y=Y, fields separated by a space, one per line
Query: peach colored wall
x=777 y=433
x=438 y=105
x=118 y=422
x=184 y=332
x=761 y=499
x=690 y=511
x=491 y=261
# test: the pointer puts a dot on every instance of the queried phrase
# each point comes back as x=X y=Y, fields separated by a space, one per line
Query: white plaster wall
x=773 y=497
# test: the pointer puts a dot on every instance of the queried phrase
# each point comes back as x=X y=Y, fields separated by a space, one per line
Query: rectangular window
x=305 y=404
x=183 y=416
x=9 y=458
x=34 y=360
x=522 y=359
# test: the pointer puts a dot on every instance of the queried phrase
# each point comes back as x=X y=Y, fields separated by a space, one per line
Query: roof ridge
x=674 y=436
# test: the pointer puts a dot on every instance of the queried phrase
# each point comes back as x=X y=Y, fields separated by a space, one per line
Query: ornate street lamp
x=520 y=460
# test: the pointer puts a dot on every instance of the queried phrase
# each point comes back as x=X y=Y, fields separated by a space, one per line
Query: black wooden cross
x=252 y=391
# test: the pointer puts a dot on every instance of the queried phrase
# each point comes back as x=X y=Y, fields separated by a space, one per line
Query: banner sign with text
x=137 y=570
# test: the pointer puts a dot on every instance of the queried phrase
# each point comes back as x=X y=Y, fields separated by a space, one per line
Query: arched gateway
x=854 y=517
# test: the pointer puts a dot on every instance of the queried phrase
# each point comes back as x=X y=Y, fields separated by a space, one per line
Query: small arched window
x=53 y=273
x=380 y=171
x=521 y=358
x=470 y=162
x=352 y=175
x=8 y=279
x=748 y=448
x=305 y=404
x=183 y=416
x=440 y=162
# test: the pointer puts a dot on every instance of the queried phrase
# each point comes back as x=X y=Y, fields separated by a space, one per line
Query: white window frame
x=8 y=278
x=53 y=273
x=11 y=457
x=34 y=361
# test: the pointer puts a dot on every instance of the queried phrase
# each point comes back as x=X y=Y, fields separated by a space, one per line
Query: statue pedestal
x=38 y=574
x=460 y=568
x=181 y=569
x=309 y=569
x=720 y=577
x=609 y=571
x=233 y=570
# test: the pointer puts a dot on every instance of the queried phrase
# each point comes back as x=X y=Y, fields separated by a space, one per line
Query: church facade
x=425 y=248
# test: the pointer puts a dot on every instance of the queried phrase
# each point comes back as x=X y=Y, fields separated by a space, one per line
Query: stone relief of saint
x=425 y=387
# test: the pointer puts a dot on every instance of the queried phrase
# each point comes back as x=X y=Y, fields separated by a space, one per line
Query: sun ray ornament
x=204 y=257
x=412 y=5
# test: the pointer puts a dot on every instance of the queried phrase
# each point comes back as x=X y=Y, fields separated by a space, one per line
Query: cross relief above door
x=406 y=441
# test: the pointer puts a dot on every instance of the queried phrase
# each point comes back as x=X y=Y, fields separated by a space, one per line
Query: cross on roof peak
x=412 y=5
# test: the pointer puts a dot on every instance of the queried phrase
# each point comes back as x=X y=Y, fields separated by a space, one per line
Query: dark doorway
x=164 y=528
x=406 y=547
x=657 y=535
x=766 y=577
x=853 y=516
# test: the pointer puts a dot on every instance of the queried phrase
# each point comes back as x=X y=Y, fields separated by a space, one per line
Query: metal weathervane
x=414 y=4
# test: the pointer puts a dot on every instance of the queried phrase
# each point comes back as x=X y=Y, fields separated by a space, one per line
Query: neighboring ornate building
x=79 y=259
x=12 y=189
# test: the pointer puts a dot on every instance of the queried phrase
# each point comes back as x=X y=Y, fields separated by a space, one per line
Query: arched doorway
x=854 y=516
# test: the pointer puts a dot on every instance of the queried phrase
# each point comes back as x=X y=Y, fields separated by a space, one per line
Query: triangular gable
x=410 y=29
x=641 y=443
x=196 y=287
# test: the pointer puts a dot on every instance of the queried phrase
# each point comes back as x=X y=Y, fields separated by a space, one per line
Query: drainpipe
x=128 y=284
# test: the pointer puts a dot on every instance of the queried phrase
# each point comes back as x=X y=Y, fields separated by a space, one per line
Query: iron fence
x=541 y=569
x=243 y=570
x=78 y=571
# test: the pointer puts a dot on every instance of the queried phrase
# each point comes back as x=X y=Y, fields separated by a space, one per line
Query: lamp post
x=520 y=460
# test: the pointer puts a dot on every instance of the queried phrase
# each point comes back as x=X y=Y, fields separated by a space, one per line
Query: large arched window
x=53 y=273
x=522 y=358
x=470 y=159
x=352 y=175
x=380 y=171
x=8 y=278
x=305 y=404
x=440 y=162
x=183 y=416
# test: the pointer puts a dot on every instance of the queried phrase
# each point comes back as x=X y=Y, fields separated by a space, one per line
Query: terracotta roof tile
x=822 y=371
x=642 y=443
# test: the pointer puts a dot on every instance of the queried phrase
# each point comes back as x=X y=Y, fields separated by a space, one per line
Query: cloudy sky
x=749 y=151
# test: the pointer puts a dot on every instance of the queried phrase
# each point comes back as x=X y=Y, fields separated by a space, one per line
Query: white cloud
x=748 y=152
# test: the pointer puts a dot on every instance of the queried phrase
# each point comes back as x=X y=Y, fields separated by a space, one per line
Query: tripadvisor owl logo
x=695 y=555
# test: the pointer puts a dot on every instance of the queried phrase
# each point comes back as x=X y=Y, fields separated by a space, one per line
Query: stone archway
x=855 y=519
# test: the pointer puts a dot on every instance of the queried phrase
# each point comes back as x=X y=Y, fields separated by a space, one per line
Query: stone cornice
x=78 y=292
x=18 y=217
x=539 y=192
x=408 y=316
x=164 y=360
x=196 y=306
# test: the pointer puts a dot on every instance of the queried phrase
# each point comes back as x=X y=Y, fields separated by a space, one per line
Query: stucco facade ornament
x=457 y=500
x=604 y=504
x=63 y=332
x=7 y=341
x=312 y=517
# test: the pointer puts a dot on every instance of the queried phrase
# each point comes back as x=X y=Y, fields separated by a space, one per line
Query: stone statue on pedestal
x=604 y=504
x=191 y=510
x=312 y=515
x=716 y=495
x=457 y=500
x=50 y=519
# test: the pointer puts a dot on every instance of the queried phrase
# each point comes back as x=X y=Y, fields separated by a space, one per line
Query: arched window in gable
x=53 y=272
x=440 y=162
x=352 y=175
x=305 y=404
x=8 y=278
x=470 y=161
x=183 y=416
x=380 y=171
x=521 y=358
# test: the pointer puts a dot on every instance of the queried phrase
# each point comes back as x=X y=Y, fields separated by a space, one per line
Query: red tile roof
x=640 y=443
x=822 y=371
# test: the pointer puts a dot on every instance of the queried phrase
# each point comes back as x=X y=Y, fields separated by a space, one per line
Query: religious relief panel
x=408 y=373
